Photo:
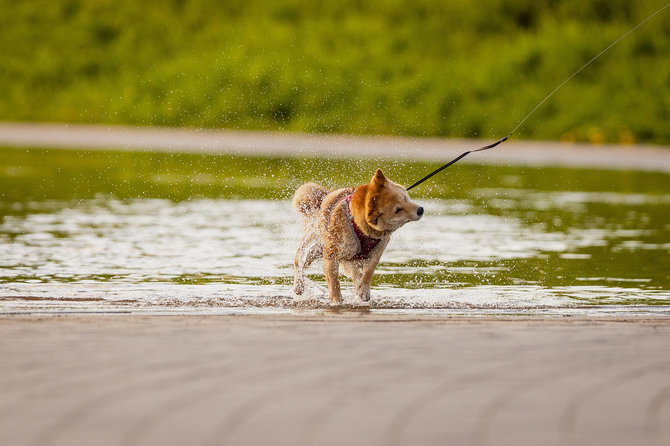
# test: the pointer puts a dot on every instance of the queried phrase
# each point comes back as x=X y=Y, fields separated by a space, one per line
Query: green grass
x=420 y=67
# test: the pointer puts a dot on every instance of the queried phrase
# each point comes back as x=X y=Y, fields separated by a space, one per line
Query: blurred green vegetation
x=410 y=67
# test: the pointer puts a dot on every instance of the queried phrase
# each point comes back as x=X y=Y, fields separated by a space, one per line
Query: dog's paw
x=354 y=300
x=363 y=295
x=336 y=299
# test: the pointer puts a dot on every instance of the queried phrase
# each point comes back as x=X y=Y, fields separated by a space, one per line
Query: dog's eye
x=398 y=210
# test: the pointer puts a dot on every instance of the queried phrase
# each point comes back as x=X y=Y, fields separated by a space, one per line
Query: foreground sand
x=333 y=379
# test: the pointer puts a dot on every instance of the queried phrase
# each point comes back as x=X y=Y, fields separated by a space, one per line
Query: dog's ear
x=379 y=178
x=373 y=212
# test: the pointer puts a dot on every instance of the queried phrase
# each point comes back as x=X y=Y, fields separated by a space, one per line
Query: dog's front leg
x=363 y=288
x=332 y=270
x=368 y=270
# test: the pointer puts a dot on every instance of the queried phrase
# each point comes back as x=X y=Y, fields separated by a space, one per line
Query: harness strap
x=365 y=243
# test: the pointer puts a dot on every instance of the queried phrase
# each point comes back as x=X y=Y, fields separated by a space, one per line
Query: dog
x=351 y=227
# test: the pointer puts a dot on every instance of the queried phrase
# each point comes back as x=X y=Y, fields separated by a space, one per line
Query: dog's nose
x=419 y=211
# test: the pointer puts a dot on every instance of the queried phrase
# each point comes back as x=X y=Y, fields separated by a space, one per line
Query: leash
x=546 y=98
x=458 y=158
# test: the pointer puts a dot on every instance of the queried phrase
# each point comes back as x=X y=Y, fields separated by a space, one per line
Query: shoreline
x=258 y=143
x=343 y=317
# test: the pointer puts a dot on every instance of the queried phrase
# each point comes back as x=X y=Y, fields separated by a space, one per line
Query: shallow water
x=100 y=232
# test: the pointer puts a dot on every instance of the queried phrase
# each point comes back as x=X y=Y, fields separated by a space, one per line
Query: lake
x=182 y=233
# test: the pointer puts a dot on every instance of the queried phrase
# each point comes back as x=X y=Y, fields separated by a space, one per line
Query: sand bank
x=333 y=379
x=165 y=139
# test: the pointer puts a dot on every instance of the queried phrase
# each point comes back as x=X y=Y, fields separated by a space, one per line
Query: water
x=117 y=232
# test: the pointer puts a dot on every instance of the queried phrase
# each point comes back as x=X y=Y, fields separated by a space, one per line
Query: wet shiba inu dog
x=350 y=227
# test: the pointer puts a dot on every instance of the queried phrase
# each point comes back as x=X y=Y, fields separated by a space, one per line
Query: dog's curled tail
x=308 y=198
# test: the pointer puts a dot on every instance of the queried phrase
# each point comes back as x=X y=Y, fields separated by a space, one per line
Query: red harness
x=365 y=243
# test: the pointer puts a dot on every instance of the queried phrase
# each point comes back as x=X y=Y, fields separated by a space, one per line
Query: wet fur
x=379 y=208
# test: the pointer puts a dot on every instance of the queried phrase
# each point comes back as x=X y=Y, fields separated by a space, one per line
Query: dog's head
x=387 y=205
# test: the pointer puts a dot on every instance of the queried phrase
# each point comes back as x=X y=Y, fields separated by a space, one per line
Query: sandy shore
x=162 y=139
x=333 y=379
x=345 y=379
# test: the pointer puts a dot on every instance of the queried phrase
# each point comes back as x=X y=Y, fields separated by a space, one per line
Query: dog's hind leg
x=309 y=250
